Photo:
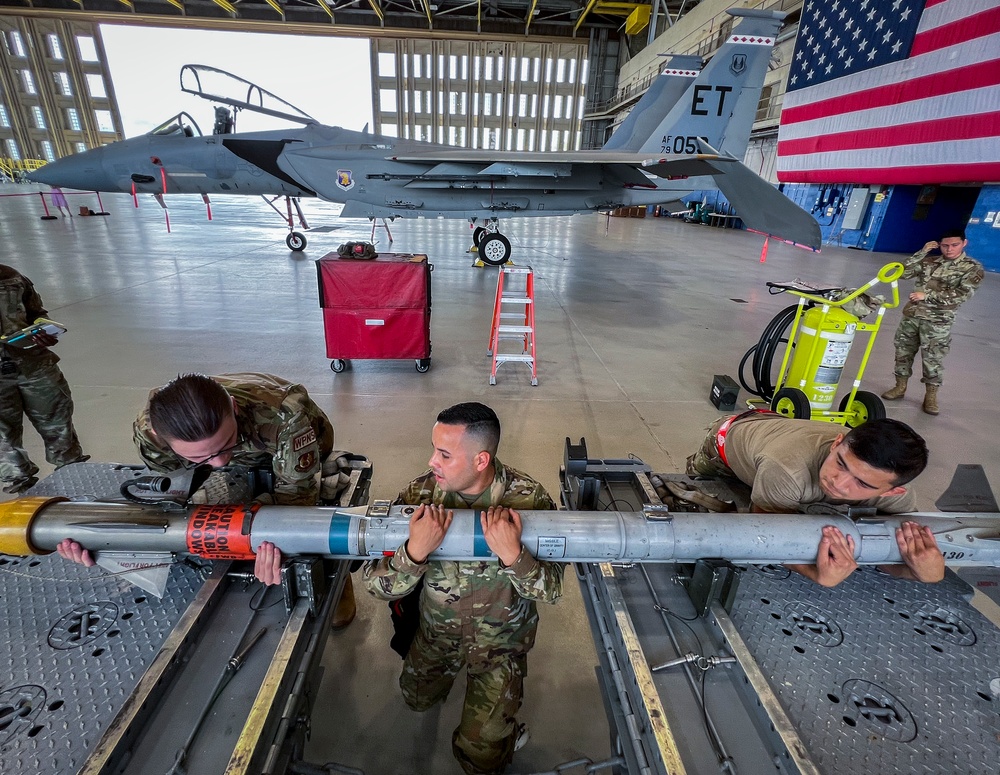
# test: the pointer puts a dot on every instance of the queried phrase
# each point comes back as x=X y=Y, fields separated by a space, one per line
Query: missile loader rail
x=710 y=668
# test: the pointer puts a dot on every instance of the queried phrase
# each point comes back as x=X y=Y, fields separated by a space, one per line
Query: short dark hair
x=889 y=445
x=960 y=233
x=479 y=420
x=191 y=407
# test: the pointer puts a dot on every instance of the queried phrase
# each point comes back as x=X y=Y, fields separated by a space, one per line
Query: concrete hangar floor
x=634 y=316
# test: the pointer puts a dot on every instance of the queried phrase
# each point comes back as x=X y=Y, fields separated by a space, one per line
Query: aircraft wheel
x=865 y=406
x=424 y=365
x=296 y=241
x=477 y=235
x=494 y=249
x=791 y=402
x=338 y=365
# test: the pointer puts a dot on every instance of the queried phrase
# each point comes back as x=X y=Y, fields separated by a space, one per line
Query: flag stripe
x=967 y=103
x=936 y=14
x=955 y=32
x=917 y=155
x=940 y=131
x=985 y=74
x=907 y=176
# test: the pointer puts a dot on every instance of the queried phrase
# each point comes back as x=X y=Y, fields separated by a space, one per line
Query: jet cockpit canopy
x=216 y=85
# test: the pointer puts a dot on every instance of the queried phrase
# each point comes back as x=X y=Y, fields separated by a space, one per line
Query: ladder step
x=512 y=316
x=516 y=269
x=505 y=299
x=501 y=358
x=516 y=329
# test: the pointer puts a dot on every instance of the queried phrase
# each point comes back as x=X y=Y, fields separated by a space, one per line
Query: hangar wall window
x=4 y=117
x=72 y=119
x=488 y=69
x=95 y=85
x=88 y=49
x=55 y=47
x=104 y=121
x=453 y=66
x=390 y=131
x=387 y=100
x=500 y=68
x=487 y=103
x=572 y=71
x=79 y=147
x=386 y=64
x=63 y=84
x=525 y=68
x=465 y=67
x=12 y=150
x=557 y=106
x=475 y=103
x=38 y=117
x=416 y=66
x=47 y=152
x=522 y=105
x=416 y=102
x=28 y=81
x=534 y=105
x=15 y=44
x=561 y=71
x=520 y=139
x=536 y=69
x=477 y=65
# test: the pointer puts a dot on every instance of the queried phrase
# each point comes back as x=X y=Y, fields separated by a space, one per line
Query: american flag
x=893 y=92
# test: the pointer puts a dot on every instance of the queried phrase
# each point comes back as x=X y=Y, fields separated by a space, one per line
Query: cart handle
x=888 y=274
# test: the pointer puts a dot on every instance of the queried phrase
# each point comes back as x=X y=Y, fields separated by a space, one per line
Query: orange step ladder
x=514 y=321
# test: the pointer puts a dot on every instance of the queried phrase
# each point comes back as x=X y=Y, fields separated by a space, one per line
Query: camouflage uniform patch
x=280 y=427
x=38 y=389
x=473 y=613
x=926 y=325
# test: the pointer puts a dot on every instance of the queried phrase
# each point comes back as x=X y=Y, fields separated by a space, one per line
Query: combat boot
x=930 y=399
x=346 y=607
x=897 y=392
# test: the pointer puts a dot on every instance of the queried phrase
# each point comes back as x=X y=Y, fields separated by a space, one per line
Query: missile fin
x=147 y=570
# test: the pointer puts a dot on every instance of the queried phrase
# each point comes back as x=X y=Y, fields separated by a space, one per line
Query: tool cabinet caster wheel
x=424 y=365
x=338 y=365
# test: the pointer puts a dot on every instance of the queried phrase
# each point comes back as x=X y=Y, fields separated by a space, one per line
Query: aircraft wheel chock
x=494 y=250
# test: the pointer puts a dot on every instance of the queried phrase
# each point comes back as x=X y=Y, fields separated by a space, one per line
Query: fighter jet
x=665 y=148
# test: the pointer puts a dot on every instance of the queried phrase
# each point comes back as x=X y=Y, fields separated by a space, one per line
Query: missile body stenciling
x=234 y=531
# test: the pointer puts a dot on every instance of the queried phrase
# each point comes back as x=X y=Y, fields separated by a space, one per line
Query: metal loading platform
x=104 y=678
x=711 y=668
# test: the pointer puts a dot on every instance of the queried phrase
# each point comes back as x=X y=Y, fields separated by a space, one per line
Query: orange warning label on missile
x=221 y=532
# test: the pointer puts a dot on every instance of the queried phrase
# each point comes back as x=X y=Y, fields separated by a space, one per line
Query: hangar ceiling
x=395 y=18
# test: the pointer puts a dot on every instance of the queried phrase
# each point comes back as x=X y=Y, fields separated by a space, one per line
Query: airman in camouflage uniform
x=944 y=282
x=481 y=614
x=277 y=426
x=250 y=419
x=30 y=384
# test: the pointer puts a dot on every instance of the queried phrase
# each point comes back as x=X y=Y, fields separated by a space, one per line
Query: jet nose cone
x=82 y=171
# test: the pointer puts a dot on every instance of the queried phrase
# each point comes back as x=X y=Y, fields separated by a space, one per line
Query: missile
x=34 y=525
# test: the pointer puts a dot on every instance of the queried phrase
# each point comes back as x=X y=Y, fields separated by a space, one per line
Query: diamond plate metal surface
x=878 y=674
x=77 y=641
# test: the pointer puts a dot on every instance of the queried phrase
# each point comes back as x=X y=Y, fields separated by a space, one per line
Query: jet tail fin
x=718 y=106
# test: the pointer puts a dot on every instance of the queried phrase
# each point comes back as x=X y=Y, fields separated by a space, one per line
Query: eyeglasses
x=231 y=448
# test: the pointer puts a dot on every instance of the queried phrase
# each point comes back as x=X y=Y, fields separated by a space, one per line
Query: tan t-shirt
x=780 y=460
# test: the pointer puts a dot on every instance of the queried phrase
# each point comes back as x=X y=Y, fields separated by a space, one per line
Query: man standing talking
x=944 y=282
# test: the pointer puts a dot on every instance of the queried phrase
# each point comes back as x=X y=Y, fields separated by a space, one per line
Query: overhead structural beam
x=377 y=9
x=178 y=5
x=531 y=15
x=427 y=9
x=276 y=7
x=583 y=15
x=226 y=6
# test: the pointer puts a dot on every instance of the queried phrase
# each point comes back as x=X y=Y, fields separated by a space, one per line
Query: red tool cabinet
x=376 y=308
